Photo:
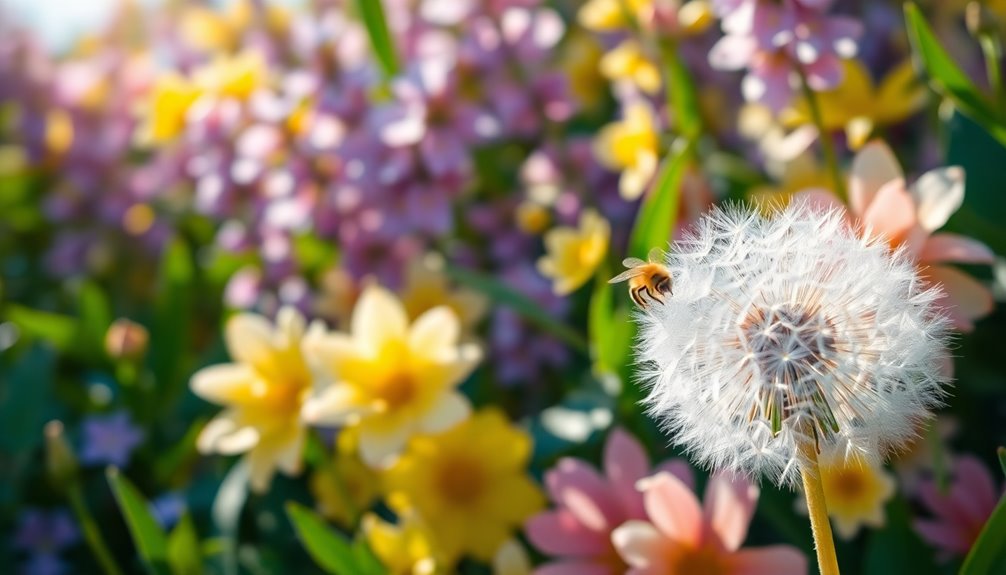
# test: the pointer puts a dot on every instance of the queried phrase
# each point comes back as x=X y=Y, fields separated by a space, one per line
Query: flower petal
x=335 y=405
x=938 y=193
x=891 y=213
x=729 y=504
x=435 y=333
x=249 y=340
x=943 y=535
x=224 y=384
x=559 y=532
x=965 y=298
x=625 y=463
x=379 y=444
x=225 y=434
x=449 y=410
x=574 y=568
x=575 y=485
x=947 y=247
x=639 y=543
x=378 y=318
x=673 y=508
x=776 y=559
x=874 y=166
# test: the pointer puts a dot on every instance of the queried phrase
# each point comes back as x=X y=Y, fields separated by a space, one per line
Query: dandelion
x=631 y=146
x=468 y=484
x=685 y=538
x=574 y=254
x=390 y=379
x=787 y=336
x=856 y=491
x=263 y=392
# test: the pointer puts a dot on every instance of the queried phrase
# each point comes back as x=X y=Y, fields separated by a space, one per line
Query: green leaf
x=946 y=77
x=611 y=330
x=659 y=212
x=172 y=316
x=331 y=551
x=95 y=316
x=26 y=401
x=57 y=329
x=681 y=92
x=529 y=309
x=988 y=554
x=150 y=540
x=184 y=549
x=366 y=561
x=1001 y=454
x=372 y=12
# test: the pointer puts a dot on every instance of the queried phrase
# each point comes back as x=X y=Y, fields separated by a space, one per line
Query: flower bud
x=126 y=340
x=980 y=20
x=60 y=462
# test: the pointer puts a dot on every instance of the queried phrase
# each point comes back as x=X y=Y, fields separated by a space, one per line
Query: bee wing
x=655 y=256
x=633 y=262
x=627 y=274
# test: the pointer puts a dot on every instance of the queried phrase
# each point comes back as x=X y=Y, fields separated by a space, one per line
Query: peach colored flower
x=961 y=512
x=684 y=538
x=908 y=216
x=589 y=506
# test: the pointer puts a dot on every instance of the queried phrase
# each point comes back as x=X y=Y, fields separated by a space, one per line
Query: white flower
x=786 y=332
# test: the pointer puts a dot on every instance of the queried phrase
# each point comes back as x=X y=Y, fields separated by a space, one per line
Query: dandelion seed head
x=788 y=331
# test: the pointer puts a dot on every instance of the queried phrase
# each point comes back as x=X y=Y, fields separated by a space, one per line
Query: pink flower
x=682 y=537
x=961 y=512
x=908 y=216
x=590 y=506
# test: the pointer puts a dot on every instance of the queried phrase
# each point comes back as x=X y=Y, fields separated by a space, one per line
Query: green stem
x=824 y=136
x=91 y=532
x=992 y=53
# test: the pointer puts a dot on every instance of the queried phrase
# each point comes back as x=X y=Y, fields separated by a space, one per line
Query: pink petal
x=964 y=299
x=640 y=544
x=944 y=507
x=729 y=504
x=680 y=469
x=672 y=507
x=943 y=535
x=891 y=213
x=560 y=533
x=777 y=560
x=625 y=463
x=732 y=52
x=825 y=73
x=978 y=496
x=575 y=485
x=874 y=166
x=947 y=247
x=938 y=194
x=574 y=568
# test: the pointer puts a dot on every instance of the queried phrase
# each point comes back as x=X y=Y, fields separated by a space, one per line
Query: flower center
x=847 y=485
x=397 y=390
x=461 y=480
x=701 y=561
x=790 y=346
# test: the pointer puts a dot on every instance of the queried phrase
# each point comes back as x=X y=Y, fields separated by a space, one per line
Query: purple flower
x=109 y=439
x=42 y=535
x=168 y=509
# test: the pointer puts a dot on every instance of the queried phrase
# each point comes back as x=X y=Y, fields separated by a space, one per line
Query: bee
x=649 y=278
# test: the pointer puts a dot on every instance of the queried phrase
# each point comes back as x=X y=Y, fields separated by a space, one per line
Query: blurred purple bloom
x=109 y=439
x=168 y=509
x=43 y=535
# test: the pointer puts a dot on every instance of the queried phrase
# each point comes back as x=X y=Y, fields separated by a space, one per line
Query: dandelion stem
x=827 y=146
x=824 y=543
x=91 y=532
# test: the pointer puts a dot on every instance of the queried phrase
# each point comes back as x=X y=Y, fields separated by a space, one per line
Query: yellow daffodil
x=345 y=487
x=262 y=392
x=169 y=103
x=856 y=492
x=388 y=379
x=801 y=173
x=572 y=254
x=468 y=484
x=580 y=58
x=213 y=30
x=610 y=15
x=631 y=147
x=232 y=77
x=426 y=287
x=404 y=549
x=627 y=62
x=857 y=106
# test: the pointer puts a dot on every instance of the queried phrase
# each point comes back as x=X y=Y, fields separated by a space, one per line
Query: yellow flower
x=345 y=487
x=627 y=62
x=426 y=287
x=609 y=15
x=468 y=484
x=630 y=146
x=232 y=77
x=532 y=217
x=403 y=549
x=856 y=492
x=857 y=106
x=573 y=254
x=580 y=58
x=263 y=393
x=388 y=379
x=169 y=103
x=801 y=173
x=206 y=29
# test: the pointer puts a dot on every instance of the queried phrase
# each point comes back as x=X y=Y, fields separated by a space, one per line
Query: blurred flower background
x=322 y=285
